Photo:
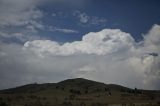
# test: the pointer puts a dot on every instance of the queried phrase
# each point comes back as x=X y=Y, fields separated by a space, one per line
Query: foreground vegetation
x=78 y=92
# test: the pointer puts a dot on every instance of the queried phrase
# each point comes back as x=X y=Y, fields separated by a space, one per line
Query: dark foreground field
x=78 y=92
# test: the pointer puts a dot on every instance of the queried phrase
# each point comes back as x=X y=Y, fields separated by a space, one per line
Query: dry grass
x=78 y=92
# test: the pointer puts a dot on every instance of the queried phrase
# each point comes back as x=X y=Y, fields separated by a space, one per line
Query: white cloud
x=152 y=45
x=85 y=71
x=64 y=30
x=86 y=19
x=6 y=35
x=19 y=19
x=97 y=21
x=83 y=18
x=153 y=35
x=18 y=12
x=116 y=46
x=54 y=14
x=20 y=36
x=110 y=56
x=100 y=43
x=25 y=17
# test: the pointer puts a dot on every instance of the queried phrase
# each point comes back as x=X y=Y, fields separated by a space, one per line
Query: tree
x=109 y=93
x=106 y=89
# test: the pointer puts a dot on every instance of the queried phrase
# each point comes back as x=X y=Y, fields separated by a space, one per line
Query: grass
x=77 y=92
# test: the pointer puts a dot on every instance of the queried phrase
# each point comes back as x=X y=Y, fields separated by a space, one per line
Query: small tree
x=109 y=93
x=106 y=89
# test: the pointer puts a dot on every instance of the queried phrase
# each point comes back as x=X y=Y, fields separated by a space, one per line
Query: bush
x=3 y=104
x=82 y=104
x=67 y=104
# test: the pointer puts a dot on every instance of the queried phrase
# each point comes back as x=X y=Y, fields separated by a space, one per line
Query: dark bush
x=75 y=91
x=82 y=104
x=106 y=89
x=86 y=91
x=3 y=104
x=67 y=104
x=72 y=97
x=93 y=104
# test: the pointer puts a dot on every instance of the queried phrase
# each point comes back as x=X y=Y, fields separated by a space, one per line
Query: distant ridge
x=78 y=92
x=78 y=83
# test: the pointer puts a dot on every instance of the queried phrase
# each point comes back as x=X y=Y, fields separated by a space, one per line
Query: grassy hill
x=77 y=92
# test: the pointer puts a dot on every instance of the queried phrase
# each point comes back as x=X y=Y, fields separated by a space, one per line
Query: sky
x=111 y=41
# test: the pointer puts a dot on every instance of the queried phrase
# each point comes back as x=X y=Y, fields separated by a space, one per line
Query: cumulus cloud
x=110 y=56
x=104 y=42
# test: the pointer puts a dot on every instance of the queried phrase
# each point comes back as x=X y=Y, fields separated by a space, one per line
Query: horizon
x=108 y=41
x=36 y=83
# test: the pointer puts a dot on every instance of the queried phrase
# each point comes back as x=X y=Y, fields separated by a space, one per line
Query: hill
x=77 y=92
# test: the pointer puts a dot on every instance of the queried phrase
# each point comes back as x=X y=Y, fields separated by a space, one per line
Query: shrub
x=3 y=104
x=82 y=104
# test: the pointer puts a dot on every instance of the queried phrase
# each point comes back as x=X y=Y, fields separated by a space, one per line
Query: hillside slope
x=77 y=92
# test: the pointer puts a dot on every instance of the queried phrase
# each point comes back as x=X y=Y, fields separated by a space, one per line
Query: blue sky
x=111 y=41
x=81 y=17
x=135 y=17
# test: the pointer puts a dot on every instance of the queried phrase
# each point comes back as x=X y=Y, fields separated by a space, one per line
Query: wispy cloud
x=63 y=30
x=20 y=19
x=86 y=19
x=83 y=17
x=18 y=13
